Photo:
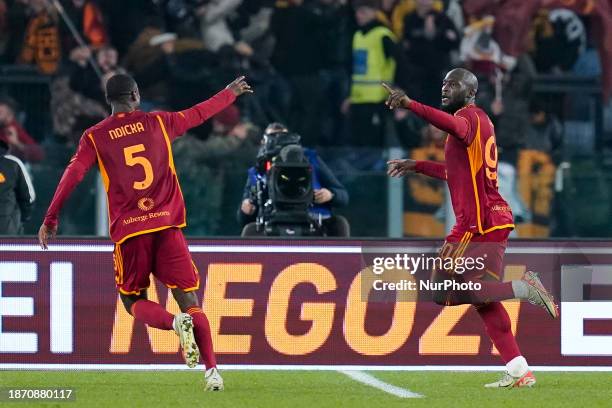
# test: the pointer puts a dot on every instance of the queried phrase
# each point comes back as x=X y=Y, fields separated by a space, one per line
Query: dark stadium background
x=553 y=117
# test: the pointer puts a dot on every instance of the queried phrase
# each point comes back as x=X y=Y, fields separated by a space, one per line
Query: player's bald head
x=464 y=76
x=121 y=88
x=458 y=89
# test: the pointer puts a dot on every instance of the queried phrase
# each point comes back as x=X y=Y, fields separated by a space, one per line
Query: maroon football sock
x=152 y=314
x=201 y=329
x=498 y=327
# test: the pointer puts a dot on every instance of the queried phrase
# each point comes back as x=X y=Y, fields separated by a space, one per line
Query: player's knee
x=129 y=300
x=185 y=300
x=127 y=303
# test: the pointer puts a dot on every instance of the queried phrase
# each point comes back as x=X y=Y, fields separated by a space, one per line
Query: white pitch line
x=367 y=379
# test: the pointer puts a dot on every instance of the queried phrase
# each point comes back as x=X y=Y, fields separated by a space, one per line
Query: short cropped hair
x=119 y=87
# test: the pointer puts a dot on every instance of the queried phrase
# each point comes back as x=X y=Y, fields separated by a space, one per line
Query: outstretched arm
x=431 y=169
x=457 y=126
x=178 y=123
x=401 y=167
x=79 y=165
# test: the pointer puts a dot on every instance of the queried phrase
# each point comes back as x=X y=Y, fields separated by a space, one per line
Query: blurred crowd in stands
x=305 y=60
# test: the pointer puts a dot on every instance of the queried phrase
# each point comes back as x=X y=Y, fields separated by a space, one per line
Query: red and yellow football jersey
x=470 y=168
x=134 y=154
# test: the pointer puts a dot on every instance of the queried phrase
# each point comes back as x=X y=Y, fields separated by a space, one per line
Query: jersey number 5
x=132 y=160
x=491 y=160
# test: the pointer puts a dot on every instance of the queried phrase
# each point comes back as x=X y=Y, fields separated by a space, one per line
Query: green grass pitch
x=310 y=389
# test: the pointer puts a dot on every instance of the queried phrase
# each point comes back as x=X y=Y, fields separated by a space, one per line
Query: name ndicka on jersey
x=125 y=130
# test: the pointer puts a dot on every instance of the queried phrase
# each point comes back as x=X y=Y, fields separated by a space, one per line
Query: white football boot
x=183 y=326
x=508 y=381
x=214 y=381
x=538 y=295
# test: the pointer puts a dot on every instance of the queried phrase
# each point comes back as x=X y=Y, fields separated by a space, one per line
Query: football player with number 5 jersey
x=146 y=210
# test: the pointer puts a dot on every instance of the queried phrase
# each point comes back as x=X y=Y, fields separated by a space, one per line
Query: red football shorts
x=490 y=248
x=163 y=253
